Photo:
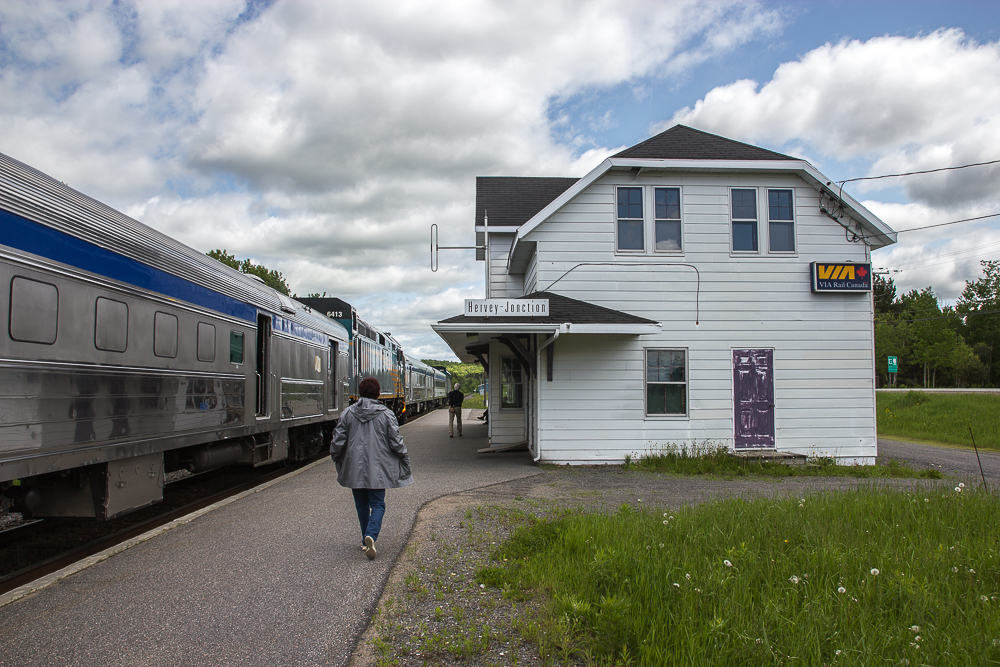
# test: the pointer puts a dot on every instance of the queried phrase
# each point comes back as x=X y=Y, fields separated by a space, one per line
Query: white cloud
x=323 y=139
x=905 y=104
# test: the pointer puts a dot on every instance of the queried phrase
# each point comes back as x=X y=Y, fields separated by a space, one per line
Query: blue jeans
x=370 y=504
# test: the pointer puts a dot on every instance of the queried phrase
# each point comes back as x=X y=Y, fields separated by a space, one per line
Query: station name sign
x=506 y=308
x=841 y=277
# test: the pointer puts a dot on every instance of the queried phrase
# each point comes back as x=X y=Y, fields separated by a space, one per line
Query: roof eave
x=878 y=234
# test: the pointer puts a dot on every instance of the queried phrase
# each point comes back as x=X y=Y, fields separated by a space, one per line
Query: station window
x=666 y=382
x=780 y=221
x=744 y=220
x=511 y=385
x=667 y=223
x=236 y=347
x=630 y=231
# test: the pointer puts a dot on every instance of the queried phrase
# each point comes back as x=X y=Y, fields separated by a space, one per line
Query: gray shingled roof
x=561 y=309
x=686 y=143
x=511 y=201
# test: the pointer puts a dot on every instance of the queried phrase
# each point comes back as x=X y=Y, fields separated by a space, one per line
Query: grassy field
x=940 y=418
x=901 y=577
x=717 y=461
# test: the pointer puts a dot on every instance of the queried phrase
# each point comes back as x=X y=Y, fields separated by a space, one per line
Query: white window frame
x=649 y=220
x=500 y=385
x=642 y=221
x=761 y=238
x=687 y=384
x=795 y=240
x=680 y=220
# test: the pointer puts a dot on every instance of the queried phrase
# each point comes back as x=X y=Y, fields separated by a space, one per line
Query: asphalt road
x=275 y=578
x=949 y=460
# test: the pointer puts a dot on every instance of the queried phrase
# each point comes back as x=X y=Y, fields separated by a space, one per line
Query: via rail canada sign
x=841 y=277
x=506 y=307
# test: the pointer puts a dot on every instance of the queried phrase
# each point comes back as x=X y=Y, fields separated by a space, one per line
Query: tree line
x=949 y=346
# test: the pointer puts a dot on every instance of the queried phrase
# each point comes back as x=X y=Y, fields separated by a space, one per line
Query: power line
x=953 y=222
x=915 y=173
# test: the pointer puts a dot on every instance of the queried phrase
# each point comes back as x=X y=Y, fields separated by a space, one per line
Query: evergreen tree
x=980 y=304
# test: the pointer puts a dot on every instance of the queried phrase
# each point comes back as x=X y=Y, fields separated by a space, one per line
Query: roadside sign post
x=893 y=369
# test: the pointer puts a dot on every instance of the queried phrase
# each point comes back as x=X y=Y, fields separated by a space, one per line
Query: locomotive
x=125 y=355
x=409 y=386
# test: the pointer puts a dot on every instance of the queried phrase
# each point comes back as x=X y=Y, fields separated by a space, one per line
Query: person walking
x=455 y=398
x=370 y=457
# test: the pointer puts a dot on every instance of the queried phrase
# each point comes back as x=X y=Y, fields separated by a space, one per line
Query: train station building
x=691 y=291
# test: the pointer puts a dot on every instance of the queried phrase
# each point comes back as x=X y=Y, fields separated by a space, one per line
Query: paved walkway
x=275 y=578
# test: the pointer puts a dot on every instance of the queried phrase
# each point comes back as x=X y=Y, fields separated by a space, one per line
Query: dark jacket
x=455 y=398
x=367 y=449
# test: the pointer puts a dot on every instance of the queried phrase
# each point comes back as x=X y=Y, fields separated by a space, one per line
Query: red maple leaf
x=862 y=272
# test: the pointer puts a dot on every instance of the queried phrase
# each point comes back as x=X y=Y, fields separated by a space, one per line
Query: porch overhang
x=461 y=337
x=469 y=336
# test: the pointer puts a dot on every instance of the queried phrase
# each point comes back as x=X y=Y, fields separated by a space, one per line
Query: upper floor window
x=630 y=219
x=780 y=221
x=667 y=212
x=744 y=220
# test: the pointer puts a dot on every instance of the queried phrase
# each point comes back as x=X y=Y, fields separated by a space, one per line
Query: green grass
x=865 y=577
x=940 y=418
x=475 y=401
x=715 y=460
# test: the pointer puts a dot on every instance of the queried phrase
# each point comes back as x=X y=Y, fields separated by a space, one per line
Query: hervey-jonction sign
x=506 y=308
x=841 y=277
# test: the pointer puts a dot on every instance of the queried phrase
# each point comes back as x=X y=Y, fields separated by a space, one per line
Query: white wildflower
x=961 y=485
x=954 y=569
x=688 y=576
x=677 y=585
x=984 y=598
x=841 y=589
x=914 y=628
x=661 y=545
x=875 y=571
x=927 y=500
x=794 y=579
x=958 y=490
x=727 y=563
x=837 y=652
x=917 y=638
x=971 y=571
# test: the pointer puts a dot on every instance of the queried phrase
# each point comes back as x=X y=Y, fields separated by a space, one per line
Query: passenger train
x=409 y=386
x=125 y=355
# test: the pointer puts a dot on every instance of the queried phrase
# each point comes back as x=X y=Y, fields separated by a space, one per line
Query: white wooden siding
x=507 y=425
x=531 y=275
x=502 y=285
x=593 y=410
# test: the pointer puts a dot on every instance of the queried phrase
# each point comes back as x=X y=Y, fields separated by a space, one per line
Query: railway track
x=34 y=549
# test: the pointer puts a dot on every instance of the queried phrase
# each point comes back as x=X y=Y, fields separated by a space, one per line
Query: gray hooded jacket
x=368 y=450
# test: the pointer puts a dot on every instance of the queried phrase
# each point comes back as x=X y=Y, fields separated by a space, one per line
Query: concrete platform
x=274 y=578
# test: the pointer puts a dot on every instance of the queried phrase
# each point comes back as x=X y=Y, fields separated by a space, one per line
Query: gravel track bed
x=432 y=610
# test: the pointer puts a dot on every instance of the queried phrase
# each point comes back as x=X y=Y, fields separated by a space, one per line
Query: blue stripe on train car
x=28 y=236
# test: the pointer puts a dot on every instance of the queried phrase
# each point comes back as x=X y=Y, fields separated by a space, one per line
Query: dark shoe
x=450 y=435
x=370 y=547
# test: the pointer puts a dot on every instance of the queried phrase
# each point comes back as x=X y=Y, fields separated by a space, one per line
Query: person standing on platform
x=370 y=457
x=455 y=398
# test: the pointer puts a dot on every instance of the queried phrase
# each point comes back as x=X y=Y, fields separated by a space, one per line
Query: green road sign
x=893 y=364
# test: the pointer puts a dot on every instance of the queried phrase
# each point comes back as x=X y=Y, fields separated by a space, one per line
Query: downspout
x=564 y=327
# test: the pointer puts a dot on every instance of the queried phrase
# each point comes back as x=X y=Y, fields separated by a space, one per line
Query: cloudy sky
x=323 y=139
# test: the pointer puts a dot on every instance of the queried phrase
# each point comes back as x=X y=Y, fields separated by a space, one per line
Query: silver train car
x=373 y=353
x=426 y=386
x=125 y=354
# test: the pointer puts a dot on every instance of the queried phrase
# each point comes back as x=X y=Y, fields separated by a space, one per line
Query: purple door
x=753 y=398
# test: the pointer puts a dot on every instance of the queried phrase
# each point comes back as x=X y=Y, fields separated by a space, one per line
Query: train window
x=34 y=311
x=165 y=335
x=111 y=325
x=236 y=347
x=206 y=341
